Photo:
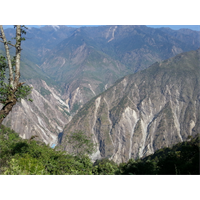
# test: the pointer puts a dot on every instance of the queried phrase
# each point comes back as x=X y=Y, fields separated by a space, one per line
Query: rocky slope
x=45 y=116
x=48 y=113
x=81 y=70
x=143 y=112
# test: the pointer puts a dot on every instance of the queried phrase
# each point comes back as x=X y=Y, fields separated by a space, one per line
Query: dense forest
x=31 y=157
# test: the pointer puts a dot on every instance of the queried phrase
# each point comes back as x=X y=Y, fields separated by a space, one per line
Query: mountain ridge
x=145 y=111
x=111 y=40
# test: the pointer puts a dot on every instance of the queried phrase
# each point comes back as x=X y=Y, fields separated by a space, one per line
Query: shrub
x=80 y=144
x=105 y=167
x=25 y=166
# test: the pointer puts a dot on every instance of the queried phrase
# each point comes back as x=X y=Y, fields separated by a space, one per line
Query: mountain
x=39 y=41
x=143 y=112
x=123 y=42
x=192 y=37
x=48 y=113
x=81 y=69
x=93 y=58
x=67 y=67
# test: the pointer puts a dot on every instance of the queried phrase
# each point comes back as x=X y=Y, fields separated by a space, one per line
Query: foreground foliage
x=30 y=157
x=182 y=158
x=19 y=156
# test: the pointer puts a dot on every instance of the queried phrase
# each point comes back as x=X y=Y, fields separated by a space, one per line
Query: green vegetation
x=6 y=93
x=80 y=143
x=75 y=108
x=30 y=157
x=64 y=112
x=105 y=167
x=44 y=91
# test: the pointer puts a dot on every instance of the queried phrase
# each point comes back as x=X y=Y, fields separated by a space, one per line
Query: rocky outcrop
x=154 y=108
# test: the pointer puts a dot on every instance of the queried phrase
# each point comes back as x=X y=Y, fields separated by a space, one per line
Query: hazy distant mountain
x=93 y=58
x=184 y=35
x=140 y=46
x=39 y=40
x=143 y=112
x=81 y=68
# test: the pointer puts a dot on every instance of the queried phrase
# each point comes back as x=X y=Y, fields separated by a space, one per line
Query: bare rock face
x=141 y=113
x=44 y=117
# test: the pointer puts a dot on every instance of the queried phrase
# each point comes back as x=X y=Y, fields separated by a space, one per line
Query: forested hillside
x=29 y=157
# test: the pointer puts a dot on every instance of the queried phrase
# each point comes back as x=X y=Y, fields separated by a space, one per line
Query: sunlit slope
x=146 y=111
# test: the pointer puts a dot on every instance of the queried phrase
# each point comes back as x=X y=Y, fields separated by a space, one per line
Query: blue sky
x=174 y=27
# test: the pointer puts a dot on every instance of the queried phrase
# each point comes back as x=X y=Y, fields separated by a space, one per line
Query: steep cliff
x=143 y=112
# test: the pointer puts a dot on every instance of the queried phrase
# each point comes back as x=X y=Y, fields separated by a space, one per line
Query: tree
x=11 y=89
x=105 y=167
x=79 y=144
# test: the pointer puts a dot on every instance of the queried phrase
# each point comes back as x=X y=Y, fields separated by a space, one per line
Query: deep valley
x=132 y=89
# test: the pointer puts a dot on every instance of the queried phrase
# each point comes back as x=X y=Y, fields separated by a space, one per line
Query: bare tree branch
x=8 y=43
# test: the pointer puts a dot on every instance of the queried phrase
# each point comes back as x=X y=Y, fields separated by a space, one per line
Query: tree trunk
x=14 y=84
x=18 y=55
x=8 y=57
x=7 y=108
